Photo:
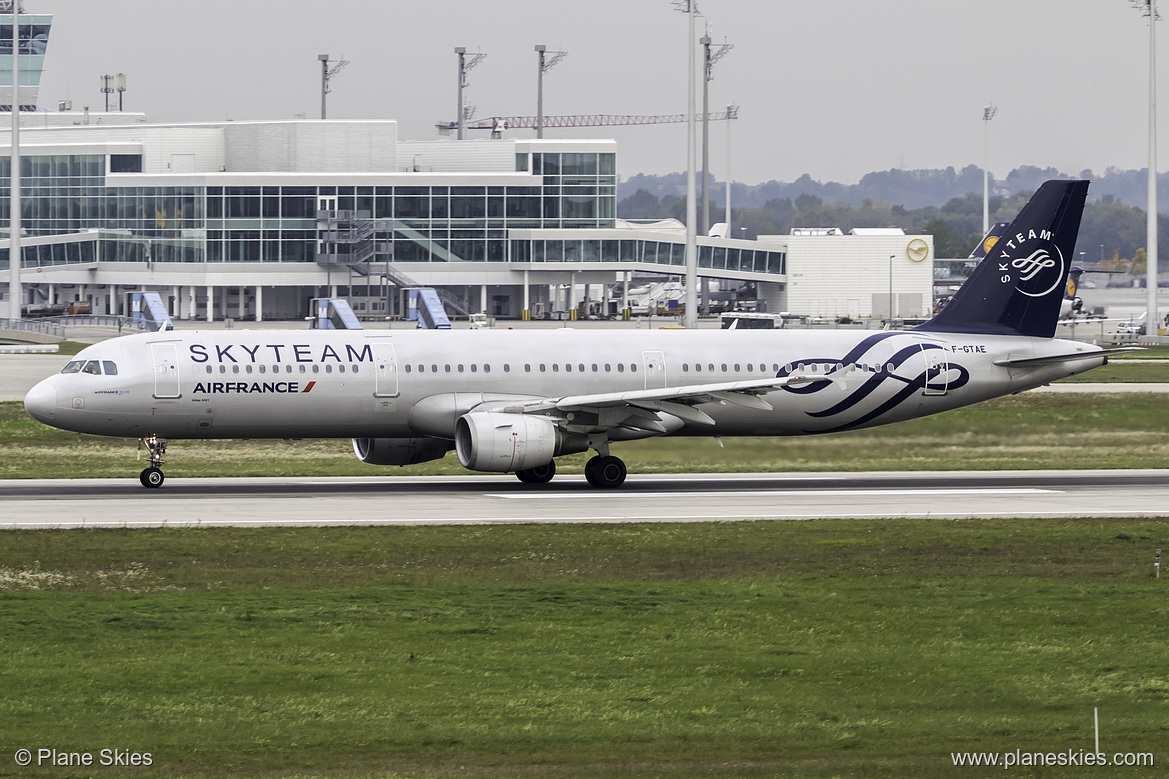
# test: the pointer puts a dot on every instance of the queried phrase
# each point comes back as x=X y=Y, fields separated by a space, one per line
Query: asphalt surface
x=460 y=500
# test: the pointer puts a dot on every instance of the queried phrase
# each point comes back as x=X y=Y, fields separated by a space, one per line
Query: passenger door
x=165 y=358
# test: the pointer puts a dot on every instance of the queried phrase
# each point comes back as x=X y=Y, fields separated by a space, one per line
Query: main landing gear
x=152 y=476
x=604 y=470
x=541 y=474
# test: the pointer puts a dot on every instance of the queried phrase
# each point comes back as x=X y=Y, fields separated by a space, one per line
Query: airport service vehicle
x=512 y=401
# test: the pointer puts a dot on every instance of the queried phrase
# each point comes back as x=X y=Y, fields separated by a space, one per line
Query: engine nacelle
x=501 y=442
x=399 y=451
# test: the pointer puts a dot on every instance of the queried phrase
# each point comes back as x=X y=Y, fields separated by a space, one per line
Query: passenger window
x=474 y=367
x=506 y=368
x=621 y=367
x=340 y=368
x=407 y=368
x=73 y=366
x=633 y=367
x=110 y=367
x=235 y=369
x=92 y=367
x=248 y=368
x=328 y=369
x=222 y=368
x=487 y=367
x=568 y=367
x=685 y=367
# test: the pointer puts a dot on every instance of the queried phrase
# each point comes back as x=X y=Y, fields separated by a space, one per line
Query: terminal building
x=252 y=220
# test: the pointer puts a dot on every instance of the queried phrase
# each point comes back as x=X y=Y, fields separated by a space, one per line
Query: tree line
x=1112 y=230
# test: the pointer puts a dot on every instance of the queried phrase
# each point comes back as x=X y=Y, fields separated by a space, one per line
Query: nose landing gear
x=152 y=476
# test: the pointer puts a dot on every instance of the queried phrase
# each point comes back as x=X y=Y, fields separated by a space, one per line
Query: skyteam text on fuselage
x=514 y=400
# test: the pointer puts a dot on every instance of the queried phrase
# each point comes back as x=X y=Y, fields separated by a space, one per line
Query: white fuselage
x=358 y=384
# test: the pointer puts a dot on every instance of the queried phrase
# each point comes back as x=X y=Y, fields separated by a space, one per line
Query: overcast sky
x=832 y=89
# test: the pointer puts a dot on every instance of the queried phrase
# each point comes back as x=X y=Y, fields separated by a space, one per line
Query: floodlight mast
x=690 y=8
x=1152 y=320
x=327 y=73
x=15 y=290
x=987 y=114
x=709 y=60
x=545 y=65
x=464 y=66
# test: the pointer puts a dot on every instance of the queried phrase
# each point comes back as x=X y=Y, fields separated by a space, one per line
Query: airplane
x=513 y=401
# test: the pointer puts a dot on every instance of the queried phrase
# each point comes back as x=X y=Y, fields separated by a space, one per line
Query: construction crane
x=496 y=123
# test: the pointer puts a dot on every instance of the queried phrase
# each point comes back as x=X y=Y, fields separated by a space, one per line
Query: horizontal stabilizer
x=1067 y=357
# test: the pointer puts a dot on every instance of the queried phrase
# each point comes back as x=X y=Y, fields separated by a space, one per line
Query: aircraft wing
x=638 y=408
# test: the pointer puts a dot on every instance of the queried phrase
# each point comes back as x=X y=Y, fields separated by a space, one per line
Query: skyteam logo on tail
x=1038 y=273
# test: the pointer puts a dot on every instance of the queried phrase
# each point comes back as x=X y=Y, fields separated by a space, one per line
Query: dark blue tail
x=1018 y=287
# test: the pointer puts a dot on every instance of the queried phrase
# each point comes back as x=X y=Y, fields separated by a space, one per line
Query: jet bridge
x=148 y=307
x=426 y=309
x=333 y=314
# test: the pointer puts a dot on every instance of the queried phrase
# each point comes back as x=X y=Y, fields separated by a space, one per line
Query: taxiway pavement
x=391 y=500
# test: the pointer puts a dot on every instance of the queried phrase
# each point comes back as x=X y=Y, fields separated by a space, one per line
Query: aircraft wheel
x=151 y=477
x=591 y=471
x=541 y=474
x=607 y=471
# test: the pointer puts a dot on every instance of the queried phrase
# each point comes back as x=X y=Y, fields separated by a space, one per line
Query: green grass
x=1026 y=431
x=1124 y=372
x=815 y=649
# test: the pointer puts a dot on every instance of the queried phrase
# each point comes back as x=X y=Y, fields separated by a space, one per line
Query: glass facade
x=68 y=194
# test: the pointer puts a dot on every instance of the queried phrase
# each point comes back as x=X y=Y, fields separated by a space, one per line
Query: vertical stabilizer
x=1018 y=287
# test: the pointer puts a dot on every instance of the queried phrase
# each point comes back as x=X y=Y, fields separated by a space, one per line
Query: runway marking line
x=772 y=493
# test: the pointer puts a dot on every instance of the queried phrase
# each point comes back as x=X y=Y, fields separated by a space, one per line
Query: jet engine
x=399 y=451
x=502 y=442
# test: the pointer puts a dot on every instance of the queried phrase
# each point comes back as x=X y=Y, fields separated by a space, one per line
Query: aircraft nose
x=41 y=402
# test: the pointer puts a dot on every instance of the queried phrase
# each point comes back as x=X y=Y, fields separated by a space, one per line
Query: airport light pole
x=690 y=8
x=987 y=114
x=1152 y=319
x=709 y=61
x=545 y=65
x=464 y=66
x=15 y=290
x=326 y=74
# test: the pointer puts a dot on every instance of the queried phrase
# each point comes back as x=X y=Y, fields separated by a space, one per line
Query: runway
x=460 y=500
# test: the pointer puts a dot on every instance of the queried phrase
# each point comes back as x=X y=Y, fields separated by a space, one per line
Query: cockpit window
x=73 y=366
x=110 y=367
x=93 y=366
